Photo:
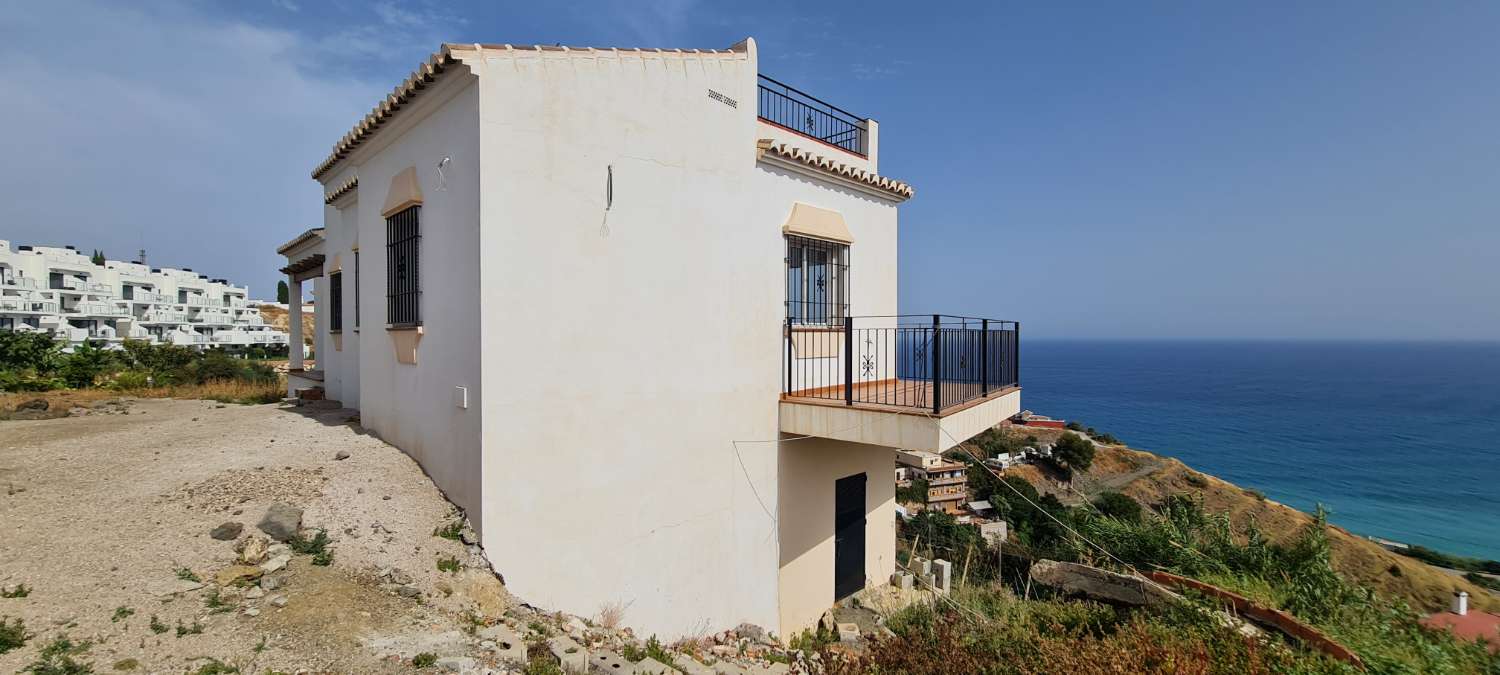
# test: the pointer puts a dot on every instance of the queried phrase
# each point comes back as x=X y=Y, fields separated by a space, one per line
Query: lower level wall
x=808 y=469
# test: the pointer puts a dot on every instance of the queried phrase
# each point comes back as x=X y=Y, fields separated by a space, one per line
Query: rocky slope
x=1149 y=478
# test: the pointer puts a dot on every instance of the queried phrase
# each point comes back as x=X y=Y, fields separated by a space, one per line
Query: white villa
x=62 y=292
x=635 y=311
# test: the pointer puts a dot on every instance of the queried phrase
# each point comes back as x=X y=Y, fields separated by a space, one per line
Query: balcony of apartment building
x=27 y=306
x=919 y=382
x=103 y=309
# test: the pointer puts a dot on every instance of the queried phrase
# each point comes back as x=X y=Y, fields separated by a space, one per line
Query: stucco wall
x=636 y=344
x=809 y=468
x=339 y=359
x=412 y=405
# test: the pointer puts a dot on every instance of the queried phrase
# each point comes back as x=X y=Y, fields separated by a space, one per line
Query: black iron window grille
x=817 y=282
x=356 y=290
x=789 y=108
x=336 y=302
x=403 y=289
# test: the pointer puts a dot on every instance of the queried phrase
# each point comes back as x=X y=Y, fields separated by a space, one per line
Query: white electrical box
x=461 y=397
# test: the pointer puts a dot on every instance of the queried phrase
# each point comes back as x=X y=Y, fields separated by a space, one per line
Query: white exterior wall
x=628 y=349
x=632 y=359
x=339 y=358
x=412 y=405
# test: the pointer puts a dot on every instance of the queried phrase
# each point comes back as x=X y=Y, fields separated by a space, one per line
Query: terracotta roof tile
x=783 y=150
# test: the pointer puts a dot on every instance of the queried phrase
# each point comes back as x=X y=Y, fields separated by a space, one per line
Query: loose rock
x=234 y=573
x=341 y=455
x=227 y=531
x=282 y=521
x=254 y=552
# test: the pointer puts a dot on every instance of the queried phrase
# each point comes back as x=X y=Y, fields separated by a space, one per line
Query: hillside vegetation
x=1150 y=478
x=1125 y=512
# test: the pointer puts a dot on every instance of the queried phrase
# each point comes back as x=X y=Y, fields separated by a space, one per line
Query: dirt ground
x=101 y=513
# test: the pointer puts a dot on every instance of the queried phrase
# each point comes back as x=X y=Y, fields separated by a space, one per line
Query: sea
x=1399 y=440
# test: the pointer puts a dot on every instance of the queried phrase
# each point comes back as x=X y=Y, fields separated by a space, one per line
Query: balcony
x=99 y=309
x=802 y=114
x=915 y=382
x=19 y=306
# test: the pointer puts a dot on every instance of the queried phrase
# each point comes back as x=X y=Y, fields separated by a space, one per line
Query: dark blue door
x=848 y=536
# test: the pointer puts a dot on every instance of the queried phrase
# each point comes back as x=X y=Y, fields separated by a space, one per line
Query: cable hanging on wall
x=609 y=198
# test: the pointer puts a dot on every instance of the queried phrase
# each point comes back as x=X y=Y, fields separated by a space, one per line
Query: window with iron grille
x=336 y=302
x=403 y=289
x=356 y=290
x=817 y=281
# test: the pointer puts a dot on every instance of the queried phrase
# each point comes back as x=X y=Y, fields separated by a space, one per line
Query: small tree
x=1118 y=506
x=86 y=363
x=97 y=258
x=283 y=294
x=1074 y=451
x=916 y=493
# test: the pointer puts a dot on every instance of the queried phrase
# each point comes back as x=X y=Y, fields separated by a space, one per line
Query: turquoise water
x=1397 y=440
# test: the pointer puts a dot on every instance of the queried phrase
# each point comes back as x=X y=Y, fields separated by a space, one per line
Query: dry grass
x=1356 y=558
x=611 y=614
x=223 y=391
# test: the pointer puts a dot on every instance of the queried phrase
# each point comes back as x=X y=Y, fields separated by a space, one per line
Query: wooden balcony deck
x=912 y=397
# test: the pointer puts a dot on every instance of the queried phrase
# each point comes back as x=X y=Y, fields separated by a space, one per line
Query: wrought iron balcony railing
x=932 y=363
x=796 y=111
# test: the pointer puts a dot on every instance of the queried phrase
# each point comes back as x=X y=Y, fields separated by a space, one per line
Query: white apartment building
x=62 y=292
x=666 y=283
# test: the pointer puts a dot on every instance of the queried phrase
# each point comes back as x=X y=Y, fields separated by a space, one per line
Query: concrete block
x=650 y=666
x=929 y=582
x=609 y=662
x=942 y=570
x=727 y=668
x=689 y=665
x=848 y=632
x=920 y=566
x=572 y=655
x=508 y=645
x=903 y=581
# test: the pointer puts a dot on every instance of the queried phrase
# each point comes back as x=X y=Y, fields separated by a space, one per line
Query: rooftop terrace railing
x=931 y=363
x=794 y=110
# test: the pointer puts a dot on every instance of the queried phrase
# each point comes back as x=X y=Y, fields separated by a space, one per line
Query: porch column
x=294 y=322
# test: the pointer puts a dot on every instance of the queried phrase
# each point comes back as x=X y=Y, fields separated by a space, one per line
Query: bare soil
x=100 y=512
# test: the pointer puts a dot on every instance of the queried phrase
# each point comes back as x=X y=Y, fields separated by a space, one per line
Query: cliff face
x=1149 y=478
x=277 y=318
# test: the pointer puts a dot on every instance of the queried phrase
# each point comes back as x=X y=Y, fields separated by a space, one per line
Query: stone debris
x=279 y=601
x=255 y=593
x=341 y=455
x=236 y=573
x=227 y=531
x=254 y=551
x=281 y=522
x=571 y=654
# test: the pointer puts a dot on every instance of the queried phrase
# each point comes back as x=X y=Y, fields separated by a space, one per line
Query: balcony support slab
x=905 y=429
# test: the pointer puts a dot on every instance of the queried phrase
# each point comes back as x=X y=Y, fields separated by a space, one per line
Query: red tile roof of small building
x=1470 y=626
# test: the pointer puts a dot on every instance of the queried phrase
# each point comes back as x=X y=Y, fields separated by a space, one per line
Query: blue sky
x=1117 y=170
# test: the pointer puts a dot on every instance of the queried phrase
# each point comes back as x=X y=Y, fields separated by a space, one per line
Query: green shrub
x=318 y=544
x=216 y=365
x=916 y=493
x=12 y=635
x=27 y=380
x=20 y=591
x=1074 y=451
x=57 y=659
x=449 y=565
x=424 y=660
x=126 y=380
x=1483 y=581
x=87 y=362
x=1119 y=506
x=34 y=352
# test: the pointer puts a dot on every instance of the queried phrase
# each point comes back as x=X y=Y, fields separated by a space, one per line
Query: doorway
x=848 y=536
